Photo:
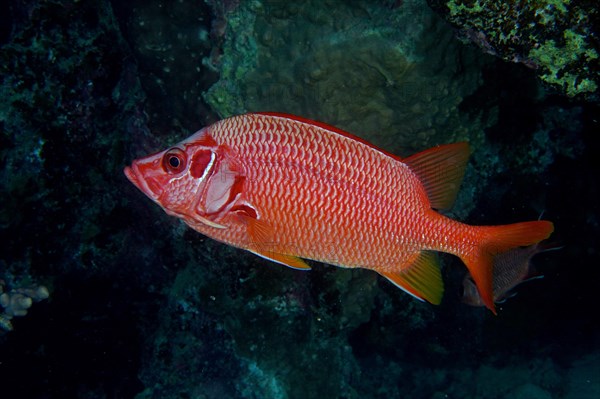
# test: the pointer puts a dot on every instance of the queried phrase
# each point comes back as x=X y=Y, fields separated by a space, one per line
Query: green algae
x=555 y=37
x=557 y=61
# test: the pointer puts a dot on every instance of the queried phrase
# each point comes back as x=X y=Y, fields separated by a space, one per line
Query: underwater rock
x=529 y=391
x=62 y=102
x=255 y=330
x=557 y=38
x=583 y=377
x=392 y=74
x=169 y=41
x=69 y=97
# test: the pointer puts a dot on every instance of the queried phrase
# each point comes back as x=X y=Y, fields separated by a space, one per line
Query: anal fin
x=422 y=279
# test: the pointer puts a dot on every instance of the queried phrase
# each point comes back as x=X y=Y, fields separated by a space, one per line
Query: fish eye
x=174 y=161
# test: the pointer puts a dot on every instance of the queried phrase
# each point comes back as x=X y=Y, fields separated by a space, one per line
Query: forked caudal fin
x=495 y=240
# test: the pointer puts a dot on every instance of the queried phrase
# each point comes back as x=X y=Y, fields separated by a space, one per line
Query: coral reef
x=390 y=73
x=17 y=301
x=557 y=38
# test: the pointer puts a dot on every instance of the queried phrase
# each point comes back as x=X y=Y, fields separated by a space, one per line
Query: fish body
x=510 y=269
x=288 y=188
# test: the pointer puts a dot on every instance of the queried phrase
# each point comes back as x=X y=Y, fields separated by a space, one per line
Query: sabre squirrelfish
x=287 y=188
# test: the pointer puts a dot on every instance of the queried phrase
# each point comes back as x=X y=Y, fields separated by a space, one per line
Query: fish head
x=195 y=180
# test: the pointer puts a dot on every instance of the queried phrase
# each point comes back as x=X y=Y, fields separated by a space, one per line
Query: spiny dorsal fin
x=441 y=171
x=422 y=279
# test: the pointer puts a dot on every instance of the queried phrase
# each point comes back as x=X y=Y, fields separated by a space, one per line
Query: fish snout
x=140 y=174
x=131 y=176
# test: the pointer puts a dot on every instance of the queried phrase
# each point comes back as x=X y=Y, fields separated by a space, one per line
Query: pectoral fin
x=260 y=232
x=422 y=279
x=261 y=237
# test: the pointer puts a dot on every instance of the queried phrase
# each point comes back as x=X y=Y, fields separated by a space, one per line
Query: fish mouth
x=134 y=175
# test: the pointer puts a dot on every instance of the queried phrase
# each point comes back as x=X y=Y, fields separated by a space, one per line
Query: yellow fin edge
x=422 y=279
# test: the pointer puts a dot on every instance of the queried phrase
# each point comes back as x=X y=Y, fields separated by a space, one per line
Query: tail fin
x=495 y=240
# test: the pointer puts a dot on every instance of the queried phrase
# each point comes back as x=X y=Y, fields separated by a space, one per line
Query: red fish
x=287 y=188
x=511 y=268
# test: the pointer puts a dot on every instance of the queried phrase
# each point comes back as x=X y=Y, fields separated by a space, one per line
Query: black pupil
x=174 y=162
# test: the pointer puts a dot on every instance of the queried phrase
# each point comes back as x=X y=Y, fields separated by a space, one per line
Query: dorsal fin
x=441 y=170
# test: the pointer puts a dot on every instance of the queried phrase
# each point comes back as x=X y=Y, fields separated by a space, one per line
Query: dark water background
x=140 y=306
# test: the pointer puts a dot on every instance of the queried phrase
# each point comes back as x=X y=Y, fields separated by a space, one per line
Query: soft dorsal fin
x=422 y=279
x=441 y=171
